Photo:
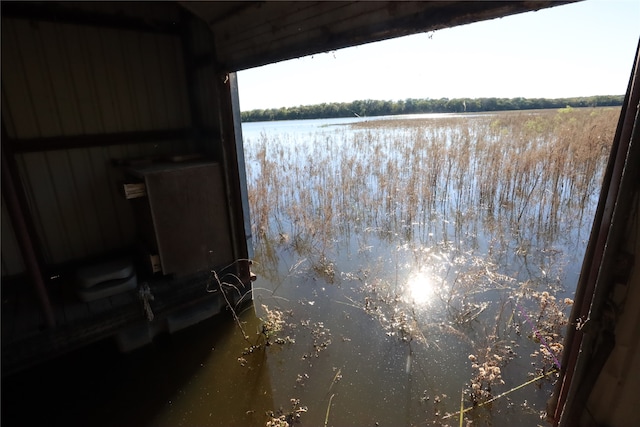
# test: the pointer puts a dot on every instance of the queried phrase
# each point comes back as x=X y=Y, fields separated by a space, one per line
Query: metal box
x=183 y=218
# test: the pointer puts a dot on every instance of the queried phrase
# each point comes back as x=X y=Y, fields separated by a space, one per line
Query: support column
x=231 y=130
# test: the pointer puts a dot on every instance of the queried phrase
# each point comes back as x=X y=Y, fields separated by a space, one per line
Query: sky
x=578 y=49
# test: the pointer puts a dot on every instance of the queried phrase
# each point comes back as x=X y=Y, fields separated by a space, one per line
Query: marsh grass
x=534 y=171
x=487 y=196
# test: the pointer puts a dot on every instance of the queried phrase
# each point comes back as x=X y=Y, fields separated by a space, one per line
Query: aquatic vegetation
x=286 y=418
x=549 y=327
x=273 y=323
x=395 y=176
x=488 y=211
x=488 y=374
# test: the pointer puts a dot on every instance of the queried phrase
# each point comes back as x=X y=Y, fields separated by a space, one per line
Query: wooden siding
x=66 y=80
x=62 y=79
x=76 y=200
x=614 y=397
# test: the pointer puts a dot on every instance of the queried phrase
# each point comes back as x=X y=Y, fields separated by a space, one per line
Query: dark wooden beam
x=96 y=140
x=66 y=14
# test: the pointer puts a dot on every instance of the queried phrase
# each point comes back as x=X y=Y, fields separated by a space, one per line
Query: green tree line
x=370 y=107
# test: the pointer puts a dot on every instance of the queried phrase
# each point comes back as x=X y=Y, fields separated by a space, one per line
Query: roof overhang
x=253 y=33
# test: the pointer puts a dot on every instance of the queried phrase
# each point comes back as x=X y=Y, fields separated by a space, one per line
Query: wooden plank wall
x=62 y=79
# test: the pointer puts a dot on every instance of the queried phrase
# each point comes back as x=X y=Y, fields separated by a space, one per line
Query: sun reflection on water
x=420 y=288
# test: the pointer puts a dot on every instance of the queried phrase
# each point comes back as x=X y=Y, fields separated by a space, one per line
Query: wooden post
x=242 y=172
x=230 y=125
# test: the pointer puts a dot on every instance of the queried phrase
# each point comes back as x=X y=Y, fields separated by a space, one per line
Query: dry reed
x=521 y=170
x=513 y=182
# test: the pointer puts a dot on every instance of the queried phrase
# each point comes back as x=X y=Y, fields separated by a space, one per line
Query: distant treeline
x=416 y=106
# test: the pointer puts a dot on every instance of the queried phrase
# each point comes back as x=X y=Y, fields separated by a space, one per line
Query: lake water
x=379 y=300
x=422 y=302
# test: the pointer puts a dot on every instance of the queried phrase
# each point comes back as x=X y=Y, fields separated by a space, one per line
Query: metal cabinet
x=181 y=214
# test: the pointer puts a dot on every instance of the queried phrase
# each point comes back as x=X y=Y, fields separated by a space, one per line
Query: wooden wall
x=614 y=397
x=63 y=80
x=60 y=79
